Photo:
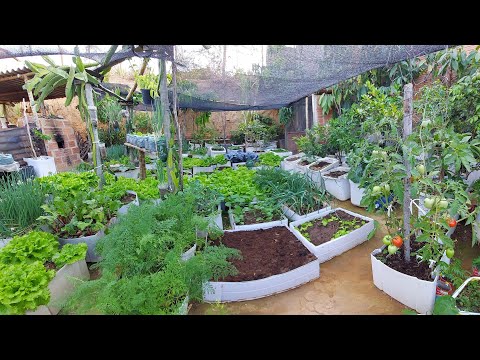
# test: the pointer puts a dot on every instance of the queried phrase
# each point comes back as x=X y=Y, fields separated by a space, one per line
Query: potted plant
x=216 y=150
x=336 y=182
x=320 y=166
x=36 y=273
x=356 y=160
x=148 y=84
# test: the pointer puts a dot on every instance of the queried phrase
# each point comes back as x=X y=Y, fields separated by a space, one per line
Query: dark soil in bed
x=250 y=217
x=127 y=198
x=293 y=158
x=462 y=232
x=397 y=262
x=319 y=166
x=304 y=162
x=320 y=234
x=265 y=253
x=336 y=174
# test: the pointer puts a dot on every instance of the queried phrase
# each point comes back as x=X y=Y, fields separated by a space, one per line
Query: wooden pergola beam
x=17 y=76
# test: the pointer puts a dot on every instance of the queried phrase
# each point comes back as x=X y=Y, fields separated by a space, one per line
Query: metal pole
x=407 y=130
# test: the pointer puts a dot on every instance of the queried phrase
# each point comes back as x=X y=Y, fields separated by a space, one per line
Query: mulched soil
x=462 y=232
x=250 y=217
x=320 y=234
x=293 y=158
x=127 y=198
x=95 y=273
x=319 y=166
x=397 y=262
x=49 y=265
x=265 y=253
x=336 y=174
x=304 y=162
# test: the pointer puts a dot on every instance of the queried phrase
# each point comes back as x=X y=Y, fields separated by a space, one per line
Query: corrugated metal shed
x=11 y=83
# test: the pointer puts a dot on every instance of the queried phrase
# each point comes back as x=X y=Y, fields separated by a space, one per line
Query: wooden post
x=143 y=169
x=33 y=105
x=92 y=110
x=165 y=113
x=177 y=125
x=3 y=116
x=134 y=87
x=28 y=128
x=407 y=130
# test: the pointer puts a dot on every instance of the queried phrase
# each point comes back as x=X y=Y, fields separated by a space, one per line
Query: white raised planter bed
x=409 y=290
x=335 y=247
x=293 y=216
x=237 y=165
x=189 y=253
x=4 y=242
x=225 y=291
x=91 y=242
x=282 y=154
x=291 y=165
x=132 y=174
x=203 y=169
x=338 y=187
x=228 y=164
x=356 y=193
x=459 y=290
x=61 y=286
x=302 y=168
x=215 y=220
x=124 y=208
x=316 y=175
x=282 y=222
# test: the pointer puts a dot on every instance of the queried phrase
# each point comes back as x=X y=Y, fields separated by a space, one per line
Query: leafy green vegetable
x=70 y=253
x=23 y=286
x=34 y=246
x=270 y=159
x=445 y=305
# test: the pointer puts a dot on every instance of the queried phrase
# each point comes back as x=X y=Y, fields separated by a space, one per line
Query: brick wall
x=67 y=157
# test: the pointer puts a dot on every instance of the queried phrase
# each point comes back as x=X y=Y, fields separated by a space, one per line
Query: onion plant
x=20 y=204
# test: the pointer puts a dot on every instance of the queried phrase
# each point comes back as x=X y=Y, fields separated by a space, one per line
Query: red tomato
x=397 y=241
x=452 y=222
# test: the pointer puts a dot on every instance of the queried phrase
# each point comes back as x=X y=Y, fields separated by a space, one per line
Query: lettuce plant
x=34 y=246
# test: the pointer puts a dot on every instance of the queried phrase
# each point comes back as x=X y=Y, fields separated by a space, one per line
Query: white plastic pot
x=61 y=286
x=214 y=220
x=124 y=208
x=303 y=169
x=291 y=165
x=338 y=187
x=316 y=175
x=356 y=193
x=189 y=253
x=335 y=247
x=225 y=291
x=409 y=290
x=213 y=153
x=43 y=165
x=91 y=242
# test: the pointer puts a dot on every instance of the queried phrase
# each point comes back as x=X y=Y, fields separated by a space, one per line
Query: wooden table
x=141 y=159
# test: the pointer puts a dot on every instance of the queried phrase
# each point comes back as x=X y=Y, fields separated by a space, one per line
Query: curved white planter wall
x=335 y=247
x=460 y=289
x=316 y=175
x=224 y=291
x=283 y=222
x=293 y=216
x=291 y=165
x=61 y=286
x=91 y=242
x=338 y=187
x=409 y=290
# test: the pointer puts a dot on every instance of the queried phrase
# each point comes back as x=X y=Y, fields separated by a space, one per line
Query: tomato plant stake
x=407 y=130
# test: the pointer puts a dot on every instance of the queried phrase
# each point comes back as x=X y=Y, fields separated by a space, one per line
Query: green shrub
x=24 y=286
x=115 y=152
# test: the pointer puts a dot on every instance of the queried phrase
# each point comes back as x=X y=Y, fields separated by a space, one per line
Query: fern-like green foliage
x=69 y=254
x=142 y=270
x=34 y=246
x=23 y=286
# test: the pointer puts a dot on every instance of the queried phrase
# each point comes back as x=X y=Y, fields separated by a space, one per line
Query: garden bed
x=468 y=297
x=332 y=233
x=293 y=216
x=250 y=221
x=273 y=261
x=336 y=182
x=416 y=293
